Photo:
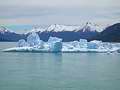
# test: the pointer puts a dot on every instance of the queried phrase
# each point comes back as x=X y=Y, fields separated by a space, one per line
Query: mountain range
x=68 y=33
x=10 y=36
x=110 y=34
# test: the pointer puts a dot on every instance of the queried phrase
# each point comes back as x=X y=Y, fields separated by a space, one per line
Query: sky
x=70 y=12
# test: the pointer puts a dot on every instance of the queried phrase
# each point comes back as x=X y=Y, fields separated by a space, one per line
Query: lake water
x=50 y=71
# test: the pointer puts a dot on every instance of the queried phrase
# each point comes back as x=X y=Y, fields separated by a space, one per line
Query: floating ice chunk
x=55 y=44
x=67 y=46
x=75 y=44
x=83 y=40
x=107 y=45
x=92 y=45
x=118 y=50
x=40 y=45
x=22 y=43
x=54 y=39
x=98 y=43
x=33 y=39
x=95 y=44
x=83 y=43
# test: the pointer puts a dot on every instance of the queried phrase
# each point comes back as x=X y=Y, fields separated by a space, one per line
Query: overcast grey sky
x=59 y=11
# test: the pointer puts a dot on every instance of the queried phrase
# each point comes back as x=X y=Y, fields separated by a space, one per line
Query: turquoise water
x=50 y=71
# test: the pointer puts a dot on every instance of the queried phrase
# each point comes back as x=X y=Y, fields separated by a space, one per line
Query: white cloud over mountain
x=58 y=11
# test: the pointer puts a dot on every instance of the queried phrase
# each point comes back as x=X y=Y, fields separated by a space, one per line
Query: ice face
x=75 y=44
x=95 y=44
x=55 y=44
x=92 y=45
x=54 y=39
x=83 y=43
x=107 y=45
x=99 y=44
x=40 y=45
x=22 y=43
x=67 y=46
x=33 y=39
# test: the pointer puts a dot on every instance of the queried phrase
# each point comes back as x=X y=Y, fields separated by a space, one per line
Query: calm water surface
x=50 y=71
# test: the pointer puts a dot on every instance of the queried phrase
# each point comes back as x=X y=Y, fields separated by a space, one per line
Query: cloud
x=17 y=12
x=58 y=11
x=59 y=3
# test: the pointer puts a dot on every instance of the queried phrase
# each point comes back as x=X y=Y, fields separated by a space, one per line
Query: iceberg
x=83 y=43
x=33 y=39
x=54 y=39
x=22 y=43
x=92 y=45
x=55 y=44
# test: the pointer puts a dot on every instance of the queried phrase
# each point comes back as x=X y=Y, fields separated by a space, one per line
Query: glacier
x=55 y=44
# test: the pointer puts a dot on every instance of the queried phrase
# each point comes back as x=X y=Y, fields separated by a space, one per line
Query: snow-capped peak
x=4 y=30
x=91 y=27
x=36 y=29
x=59 y=28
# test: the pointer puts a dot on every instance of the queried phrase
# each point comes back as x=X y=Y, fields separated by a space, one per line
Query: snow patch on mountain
x=60 y=28
x=88 y=27
x=5 y=30
x=91 y=27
